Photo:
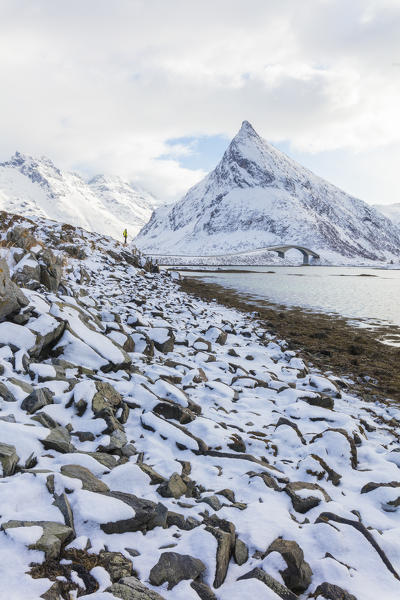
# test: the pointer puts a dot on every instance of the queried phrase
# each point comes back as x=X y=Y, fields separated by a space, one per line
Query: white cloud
x=103 y=85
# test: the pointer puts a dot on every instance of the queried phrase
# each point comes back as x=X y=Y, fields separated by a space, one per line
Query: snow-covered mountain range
x=106 y=204
x=256 y=197
x=391 y=211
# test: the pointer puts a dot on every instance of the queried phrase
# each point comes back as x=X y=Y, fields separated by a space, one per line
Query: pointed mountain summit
x=32 y=187
x=256 y=197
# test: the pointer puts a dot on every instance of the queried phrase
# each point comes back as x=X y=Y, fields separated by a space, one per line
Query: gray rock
x=27 y=272
x=175 y=487
x=212 y=501
x=203 y=591
x=50 y=270
x=89 y=481
x=21 y=237
x=167 y=345
x=148 y=515
x=8 y=459
x=216 y=335
x=103 y=458
x=5 y=394
x=301 y=504
x=62 y=503
x=59 y=440
x=170 y=410
x=117 y=442
x=84 y=436
x=53 y=593
x=54 y=537
x=105 y=403
x=321 y=401
x=279 y=589
x=297 y=575
x=240 y=552
x=180 y=521
x=45 y=420
x=46 y=341
x=37 y=399
x=224 y=552
x=116 y=565
x=155 y=478
x=26 y=387
x=130 y=588
x=332 y=592
x=11 y=297
x=173 y=568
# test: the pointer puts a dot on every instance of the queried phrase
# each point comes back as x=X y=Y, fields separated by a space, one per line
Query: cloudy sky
x=154 y=89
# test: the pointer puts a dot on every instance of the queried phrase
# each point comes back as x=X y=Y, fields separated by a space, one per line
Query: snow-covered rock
x=257 y=197
x=36 y=187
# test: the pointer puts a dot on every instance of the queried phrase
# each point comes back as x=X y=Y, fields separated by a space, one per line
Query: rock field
x=153 y=445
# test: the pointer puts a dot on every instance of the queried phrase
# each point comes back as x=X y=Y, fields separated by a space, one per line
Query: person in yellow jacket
x=125 y=234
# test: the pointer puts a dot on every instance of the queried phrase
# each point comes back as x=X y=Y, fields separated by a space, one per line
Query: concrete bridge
x=280 y=250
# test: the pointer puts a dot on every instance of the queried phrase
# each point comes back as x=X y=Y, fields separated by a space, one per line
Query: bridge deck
x=279 y=249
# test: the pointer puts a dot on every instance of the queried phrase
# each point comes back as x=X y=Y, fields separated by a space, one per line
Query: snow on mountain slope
x=35 y=187
x=256 y=197
x=391 y=211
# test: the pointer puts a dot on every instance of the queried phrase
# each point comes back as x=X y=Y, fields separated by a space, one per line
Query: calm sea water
x=372 y=295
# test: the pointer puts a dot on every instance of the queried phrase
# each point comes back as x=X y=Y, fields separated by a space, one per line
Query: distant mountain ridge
x=256 y=197
x=106 y=204
x=391 y=211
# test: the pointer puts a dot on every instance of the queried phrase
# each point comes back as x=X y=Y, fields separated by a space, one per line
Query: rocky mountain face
x=154 y=446
x=36 y=187
x=256 y=197
x=391 y=211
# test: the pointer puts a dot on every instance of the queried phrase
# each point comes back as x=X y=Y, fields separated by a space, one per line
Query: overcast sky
x=154 y=89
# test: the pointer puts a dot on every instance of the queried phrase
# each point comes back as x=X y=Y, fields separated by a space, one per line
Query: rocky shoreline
x=329 y=342
x=156 y=445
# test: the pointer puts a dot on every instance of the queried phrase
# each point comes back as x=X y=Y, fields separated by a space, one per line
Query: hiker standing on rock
x=125 y=234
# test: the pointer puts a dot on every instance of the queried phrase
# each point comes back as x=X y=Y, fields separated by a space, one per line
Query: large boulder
x=11 y=297
x=89 y=481
x=105 y=404
x=50 y=270
x=173 y=568
x=302 y=503
x=37 y=399
x=59 y=440
x=21 y=237
x=27 y=272
x=148 y=515
x=297 y=575
x=54 y=536
x=175 y=487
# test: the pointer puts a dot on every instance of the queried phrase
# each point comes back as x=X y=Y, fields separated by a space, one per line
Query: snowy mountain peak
x=107 y=204
x=256 y=197
x=248 y=130
x=37 y=169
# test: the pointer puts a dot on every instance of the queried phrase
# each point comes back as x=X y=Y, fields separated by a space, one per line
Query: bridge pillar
x=306 y=258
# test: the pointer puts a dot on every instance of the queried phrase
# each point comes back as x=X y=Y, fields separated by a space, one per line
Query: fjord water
x=372 y=295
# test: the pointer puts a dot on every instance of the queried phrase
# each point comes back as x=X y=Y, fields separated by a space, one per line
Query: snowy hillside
x=35 y=187
x=256 y=197
x=158 y=447
x=391 y=211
